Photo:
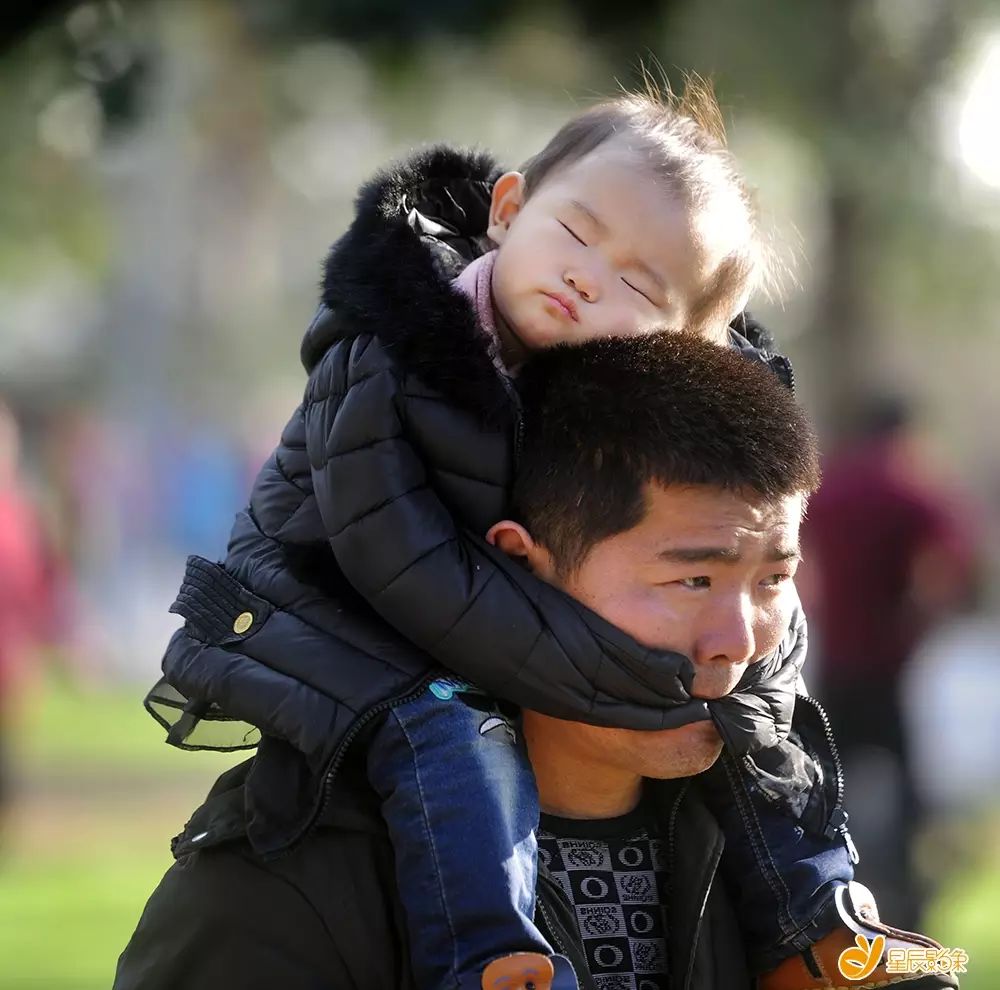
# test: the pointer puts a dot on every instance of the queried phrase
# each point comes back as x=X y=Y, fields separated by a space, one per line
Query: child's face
x=601 y=247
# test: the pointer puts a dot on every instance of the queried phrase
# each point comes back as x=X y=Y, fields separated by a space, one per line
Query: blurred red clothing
x=23 y=582
x=888 y=554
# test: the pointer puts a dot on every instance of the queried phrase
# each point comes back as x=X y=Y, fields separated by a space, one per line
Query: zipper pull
x=852 y=849
x=838 y=825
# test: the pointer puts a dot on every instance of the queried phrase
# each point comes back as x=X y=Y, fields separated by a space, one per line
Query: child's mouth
x=565 y=306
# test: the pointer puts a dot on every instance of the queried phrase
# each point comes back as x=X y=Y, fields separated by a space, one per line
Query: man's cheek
x=647 y=616
x=778 y=621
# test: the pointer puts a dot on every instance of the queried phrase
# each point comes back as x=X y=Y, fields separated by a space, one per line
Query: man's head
x=662 y=483
x=633 y=218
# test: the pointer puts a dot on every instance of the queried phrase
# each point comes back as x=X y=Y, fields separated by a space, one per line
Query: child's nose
x=584 y=283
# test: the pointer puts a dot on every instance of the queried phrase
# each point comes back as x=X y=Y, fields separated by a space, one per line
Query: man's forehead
x=688 y=521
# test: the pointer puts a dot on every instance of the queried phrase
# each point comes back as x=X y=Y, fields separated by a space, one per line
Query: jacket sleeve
x=444 y=588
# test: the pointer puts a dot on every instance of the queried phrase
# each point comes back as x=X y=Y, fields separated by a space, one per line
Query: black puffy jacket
x=328 y=913
x=359 y=560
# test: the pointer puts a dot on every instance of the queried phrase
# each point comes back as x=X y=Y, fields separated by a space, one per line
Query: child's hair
x=683 y=139
x=605 y=417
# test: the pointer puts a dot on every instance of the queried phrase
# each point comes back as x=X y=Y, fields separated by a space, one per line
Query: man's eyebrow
x=724 y=555
x=638 y=263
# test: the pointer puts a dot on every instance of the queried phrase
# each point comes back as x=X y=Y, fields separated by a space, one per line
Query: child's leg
x=787 y=848
x=460 y=802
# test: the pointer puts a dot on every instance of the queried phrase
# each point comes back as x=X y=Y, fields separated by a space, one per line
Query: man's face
x=707 y=574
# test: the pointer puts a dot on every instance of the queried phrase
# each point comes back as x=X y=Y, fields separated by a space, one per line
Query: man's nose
x=585 y=283
x=730 y=638
x=724 y=652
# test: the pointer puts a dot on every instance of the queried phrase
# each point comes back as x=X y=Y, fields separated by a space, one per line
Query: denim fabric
x=459 y=798
x=781 y=869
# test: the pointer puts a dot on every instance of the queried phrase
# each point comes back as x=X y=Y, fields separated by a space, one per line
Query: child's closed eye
x=573 y=233
x=635 y=288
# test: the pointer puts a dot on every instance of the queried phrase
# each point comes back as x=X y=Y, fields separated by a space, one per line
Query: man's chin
x=685 y=751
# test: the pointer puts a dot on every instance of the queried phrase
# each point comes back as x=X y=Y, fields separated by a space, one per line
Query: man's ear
x=512 y=538
x=508 y=198
x=515 y=541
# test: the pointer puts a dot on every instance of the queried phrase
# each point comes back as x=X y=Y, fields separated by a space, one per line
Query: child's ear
x=507 y=200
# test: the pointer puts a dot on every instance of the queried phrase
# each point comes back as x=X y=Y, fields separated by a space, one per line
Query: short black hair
x=603 y=418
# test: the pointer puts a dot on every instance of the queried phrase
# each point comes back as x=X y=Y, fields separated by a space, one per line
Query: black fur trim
x=391 y=274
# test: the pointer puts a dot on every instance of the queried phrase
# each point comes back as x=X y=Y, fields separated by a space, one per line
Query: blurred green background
x=173 y=173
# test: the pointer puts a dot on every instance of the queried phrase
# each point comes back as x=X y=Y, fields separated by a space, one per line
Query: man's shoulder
x=325 y=912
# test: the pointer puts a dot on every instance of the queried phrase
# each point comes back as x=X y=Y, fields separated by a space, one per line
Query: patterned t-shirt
x=614 y=874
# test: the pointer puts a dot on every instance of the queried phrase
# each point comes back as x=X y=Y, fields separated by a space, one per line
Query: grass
x=65 y=918
x=965 y=910
x=101 y=795
x=103 y=729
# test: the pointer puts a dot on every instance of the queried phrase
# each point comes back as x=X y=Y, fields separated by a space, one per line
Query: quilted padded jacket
x=359 y=564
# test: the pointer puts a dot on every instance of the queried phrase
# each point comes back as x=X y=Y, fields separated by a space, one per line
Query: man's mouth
x=566 y=305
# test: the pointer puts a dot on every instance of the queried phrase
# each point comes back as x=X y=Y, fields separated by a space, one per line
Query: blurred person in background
x=23 y=581
x=954 y=676
x=889 y=558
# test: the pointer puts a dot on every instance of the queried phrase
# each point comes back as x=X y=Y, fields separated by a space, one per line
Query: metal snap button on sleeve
x=243 y=622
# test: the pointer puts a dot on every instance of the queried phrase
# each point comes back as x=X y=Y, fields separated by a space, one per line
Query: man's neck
x=573 y=781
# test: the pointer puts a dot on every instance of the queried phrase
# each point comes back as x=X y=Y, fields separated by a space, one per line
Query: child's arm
x=468 y=605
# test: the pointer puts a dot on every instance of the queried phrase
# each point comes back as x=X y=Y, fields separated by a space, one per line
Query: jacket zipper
x=584 y=978
x=674 y=807
x=837 y=822
x=772 y=360
x=671 y=861
x=518 y=438
x=790 y=368
x=515 y=399
x=550 y=928
x=338 y=756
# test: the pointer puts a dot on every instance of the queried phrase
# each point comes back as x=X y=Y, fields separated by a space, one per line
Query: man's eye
x=696 y=582
x=573 y=233
x=637 y=289
x=773 y=580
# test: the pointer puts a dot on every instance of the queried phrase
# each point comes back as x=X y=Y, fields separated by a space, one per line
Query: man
x=676 y=521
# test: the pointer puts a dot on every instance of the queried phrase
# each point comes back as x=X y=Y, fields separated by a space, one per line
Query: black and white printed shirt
x=614 y=873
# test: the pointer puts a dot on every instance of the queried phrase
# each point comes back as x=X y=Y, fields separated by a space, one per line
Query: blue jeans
x=461 y=805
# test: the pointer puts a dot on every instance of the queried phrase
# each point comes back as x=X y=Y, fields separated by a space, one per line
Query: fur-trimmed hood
x=418 y=223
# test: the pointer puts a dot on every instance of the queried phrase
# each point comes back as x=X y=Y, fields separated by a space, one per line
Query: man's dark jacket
x=359 y=560
x=327 y=915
